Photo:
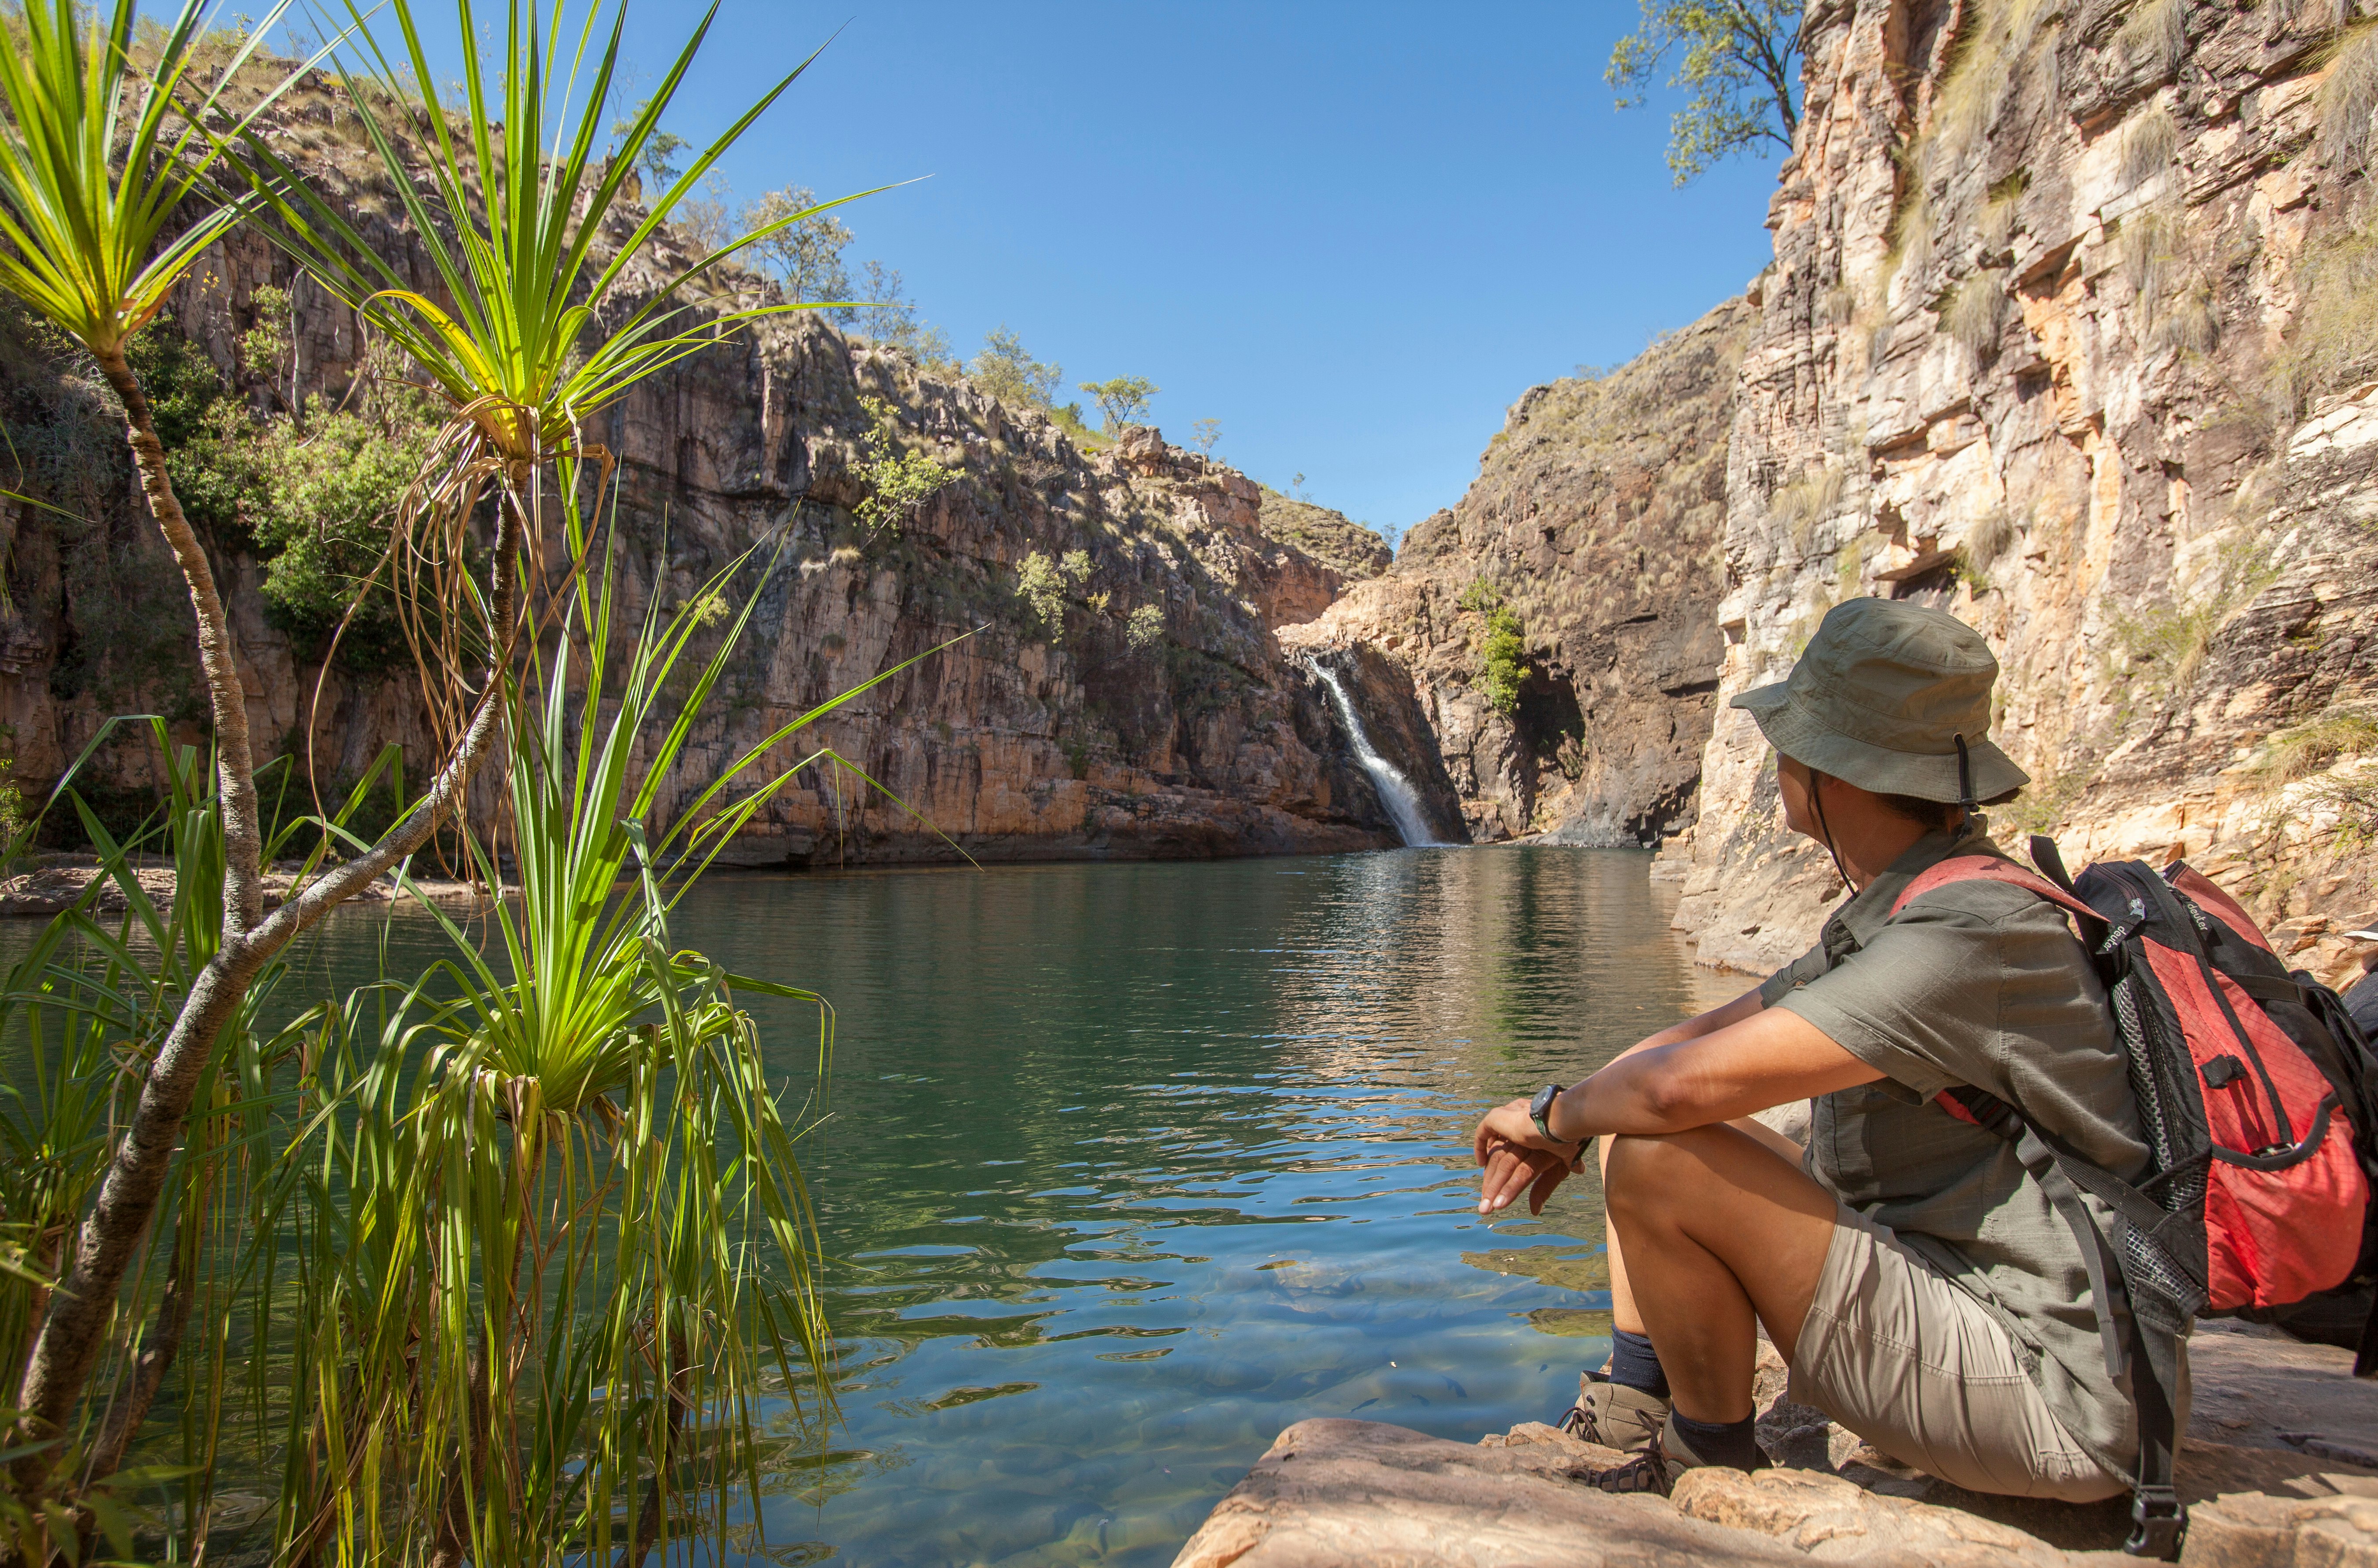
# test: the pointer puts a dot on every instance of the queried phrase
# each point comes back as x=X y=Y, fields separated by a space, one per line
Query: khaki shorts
x=1919 y=1368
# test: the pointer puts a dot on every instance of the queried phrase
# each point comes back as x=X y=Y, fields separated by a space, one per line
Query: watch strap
x=1539 y=1110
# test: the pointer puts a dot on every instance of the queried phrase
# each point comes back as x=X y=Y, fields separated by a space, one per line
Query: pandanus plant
x=79 y=1004
x=116 y=158
x=575 y=1271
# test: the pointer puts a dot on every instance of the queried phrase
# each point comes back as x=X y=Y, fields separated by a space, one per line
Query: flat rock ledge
x=1332 y=1492
x=50 y=887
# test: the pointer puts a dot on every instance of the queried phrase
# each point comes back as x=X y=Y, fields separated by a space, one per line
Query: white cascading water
x=1395 y=790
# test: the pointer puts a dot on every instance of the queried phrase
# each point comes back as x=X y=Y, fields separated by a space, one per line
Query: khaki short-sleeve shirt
x=1981 y=984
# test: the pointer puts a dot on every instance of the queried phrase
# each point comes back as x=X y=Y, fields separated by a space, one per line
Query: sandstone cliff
x=1144 y=710
x=1345 y=546
x=1594 y=521
x=2066 y=331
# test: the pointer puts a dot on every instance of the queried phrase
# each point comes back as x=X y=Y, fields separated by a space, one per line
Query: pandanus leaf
x=510 y=211
x=102 y=154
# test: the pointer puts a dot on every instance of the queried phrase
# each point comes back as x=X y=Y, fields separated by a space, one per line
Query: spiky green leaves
x=518 y=200
x=97 y=152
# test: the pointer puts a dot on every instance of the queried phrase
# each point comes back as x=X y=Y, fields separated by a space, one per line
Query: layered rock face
x=1135 y=705
x=2065 y=333
x=1327 y=536
x=1595 y=522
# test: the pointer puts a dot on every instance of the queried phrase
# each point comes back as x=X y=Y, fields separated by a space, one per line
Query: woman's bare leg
x=1723 y=1235
x=1624 y=1315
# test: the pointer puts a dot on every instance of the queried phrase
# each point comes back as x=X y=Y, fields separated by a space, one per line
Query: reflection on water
x=1131 y=1166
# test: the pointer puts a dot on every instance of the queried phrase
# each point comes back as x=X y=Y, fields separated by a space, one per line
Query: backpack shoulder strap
x=1991 y=868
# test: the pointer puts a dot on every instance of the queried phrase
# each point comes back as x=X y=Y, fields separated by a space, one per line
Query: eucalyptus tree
x=1122 y=400
x=1739 y=59
x=120 y=164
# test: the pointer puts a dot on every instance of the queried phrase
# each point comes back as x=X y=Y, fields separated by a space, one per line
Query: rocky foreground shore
x=2280 y=1469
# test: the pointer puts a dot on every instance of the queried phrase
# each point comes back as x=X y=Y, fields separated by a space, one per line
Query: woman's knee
x=1638 y=1172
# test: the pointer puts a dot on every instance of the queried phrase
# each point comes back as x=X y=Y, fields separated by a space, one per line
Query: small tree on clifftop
x=1122 y=400
x=1741 y=60
x=806 y=253
x=1008 y=372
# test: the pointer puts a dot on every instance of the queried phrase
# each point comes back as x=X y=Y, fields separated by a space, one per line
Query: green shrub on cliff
x=898 y=483
x=321 y=501
x=1503 y=653
x=1145 y=628
x=313 y=493
x=1041 y=584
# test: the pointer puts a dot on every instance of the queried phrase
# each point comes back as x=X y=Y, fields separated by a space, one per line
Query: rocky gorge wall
x=2071 y=331
x=2066 y=333
x=1594 y=521
x=1137 y=706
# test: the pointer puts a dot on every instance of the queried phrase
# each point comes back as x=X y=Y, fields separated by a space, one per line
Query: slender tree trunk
x=125 y=1418
x=75 y=1327
x=45 y=1262
x=454 y=1517
x=234 y=767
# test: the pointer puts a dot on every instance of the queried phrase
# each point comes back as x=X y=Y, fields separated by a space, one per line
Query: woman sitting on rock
x=1918 y=1282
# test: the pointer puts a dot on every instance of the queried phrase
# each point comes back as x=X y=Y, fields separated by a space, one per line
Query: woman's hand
x=1516 y=1157
x=1511 y=1170
x=1512 y=1124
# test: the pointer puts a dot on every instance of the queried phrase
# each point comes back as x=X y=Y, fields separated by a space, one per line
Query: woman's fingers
x=1509 y=1170
x=1505 y=1123
x=1554 y=1175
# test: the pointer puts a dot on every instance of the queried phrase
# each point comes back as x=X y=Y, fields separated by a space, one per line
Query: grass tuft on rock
x=2155 y=34
x=2318 y=742
x=1976 y=312
x=2149 y=146
x=2349 y=100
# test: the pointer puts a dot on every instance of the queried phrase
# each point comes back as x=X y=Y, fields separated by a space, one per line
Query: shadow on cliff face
x=1383 y=703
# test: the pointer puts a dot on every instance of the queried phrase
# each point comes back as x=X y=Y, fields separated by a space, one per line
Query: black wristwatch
x=1539 y=1112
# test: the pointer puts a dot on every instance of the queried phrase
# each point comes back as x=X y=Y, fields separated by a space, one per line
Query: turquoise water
x=1131 y=1166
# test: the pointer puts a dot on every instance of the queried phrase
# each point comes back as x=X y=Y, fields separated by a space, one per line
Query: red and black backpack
x=2258 y=1097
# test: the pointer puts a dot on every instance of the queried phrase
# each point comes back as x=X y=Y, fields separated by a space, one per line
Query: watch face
x=1541 y=1104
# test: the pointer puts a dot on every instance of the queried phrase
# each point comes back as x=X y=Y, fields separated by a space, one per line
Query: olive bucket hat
x=1891 y=698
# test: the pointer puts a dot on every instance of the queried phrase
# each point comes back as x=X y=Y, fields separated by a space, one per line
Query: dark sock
x=1634 y=1363
x=1733 y=1444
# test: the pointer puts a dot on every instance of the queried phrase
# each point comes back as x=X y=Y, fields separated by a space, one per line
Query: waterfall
x=1395 y=790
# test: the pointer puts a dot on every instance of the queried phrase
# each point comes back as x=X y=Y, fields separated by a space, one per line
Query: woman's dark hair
x=1934 y=816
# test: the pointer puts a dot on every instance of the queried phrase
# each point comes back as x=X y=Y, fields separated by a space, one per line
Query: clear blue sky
x=1353 y=234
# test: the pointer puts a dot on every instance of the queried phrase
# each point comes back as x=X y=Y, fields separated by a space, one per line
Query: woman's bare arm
x=1763 y=1059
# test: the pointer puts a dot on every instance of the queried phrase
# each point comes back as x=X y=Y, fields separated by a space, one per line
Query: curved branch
x=235 y=765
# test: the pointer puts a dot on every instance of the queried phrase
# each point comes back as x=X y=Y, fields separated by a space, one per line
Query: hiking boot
x=1613 y=1415
x=1657 y=1464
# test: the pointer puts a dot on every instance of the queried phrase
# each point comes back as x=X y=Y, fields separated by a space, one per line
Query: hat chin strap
x=1817 y=798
